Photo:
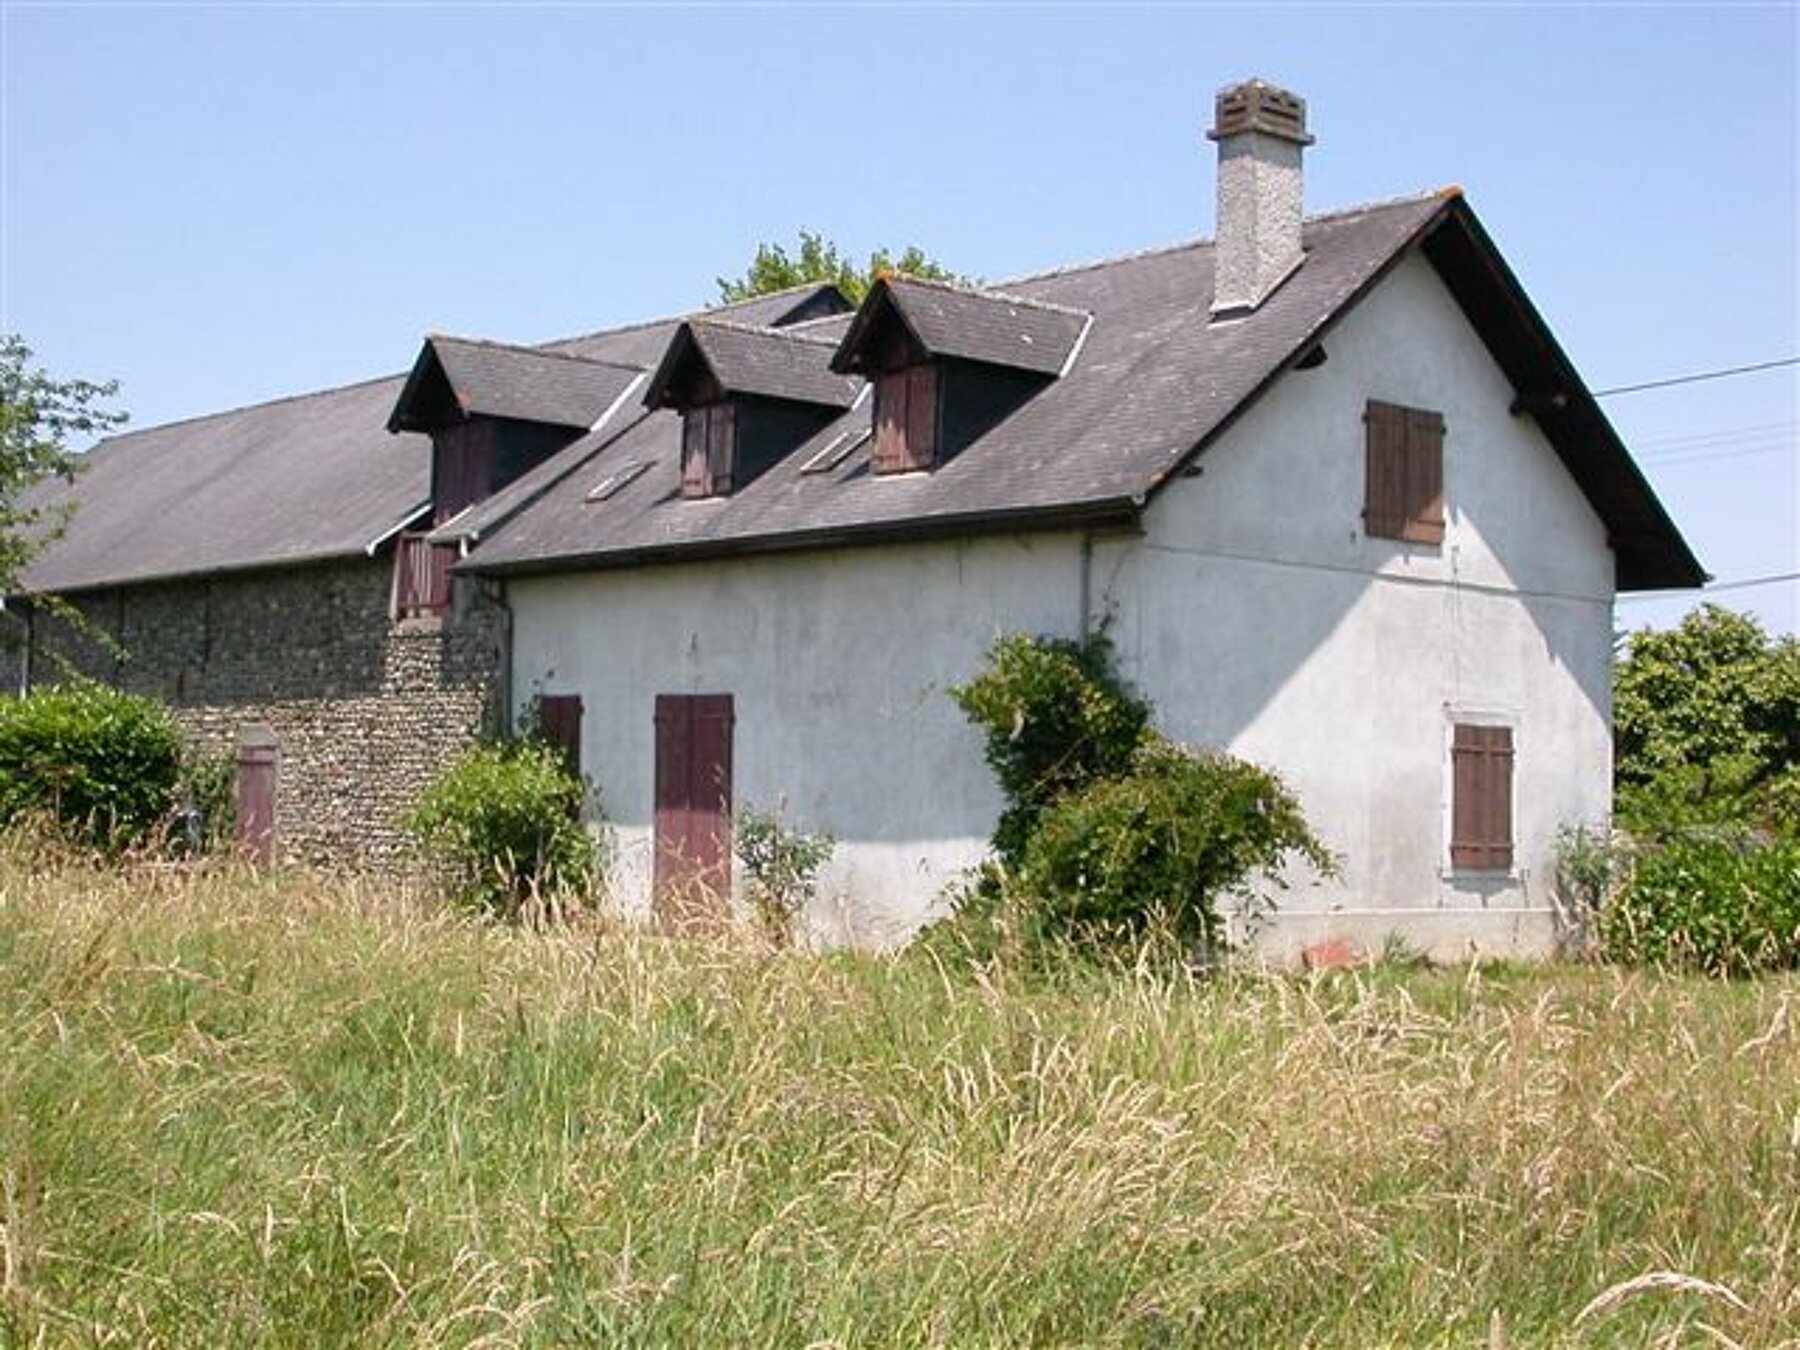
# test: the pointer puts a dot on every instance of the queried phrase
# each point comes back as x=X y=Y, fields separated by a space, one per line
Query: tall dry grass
x=291 y=1111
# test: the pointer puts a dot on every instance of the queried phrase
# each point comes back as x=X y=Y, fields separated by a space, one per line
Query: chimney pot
x=1260 y=130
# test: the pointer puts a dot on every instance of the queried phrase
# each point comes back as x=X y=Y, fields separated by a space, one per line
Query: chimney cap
x=1258 y=106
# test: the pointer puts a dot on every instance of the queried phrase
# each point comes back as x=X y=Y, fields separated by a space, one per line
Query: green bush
x=505 y=821
x=103 y=764
x=1155 y=850
x=782 y=864
x=1711 y=903
x=1056 y=717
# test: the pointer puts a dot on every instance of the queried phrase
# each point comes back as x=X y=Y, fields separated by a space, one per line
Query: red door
x=693 y=808
x=258 y=768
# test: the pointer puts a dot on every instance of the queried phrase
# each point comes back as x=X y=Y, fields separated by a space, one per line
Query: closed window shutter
x=1403 y=493
x=721 y=447
x=1424 y=501
x=1481 y=771
x=921 y=417
x=906 y=413
x=693 y=453
x=708 y=450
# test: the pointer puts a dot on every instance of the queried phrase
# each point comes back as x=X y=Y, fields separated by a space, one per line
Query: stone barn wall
x=365 y=710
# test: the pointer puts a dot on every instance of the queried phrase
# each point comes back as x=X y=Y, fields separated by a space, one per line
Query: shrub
x=1155 y=850
x=101 y=763
x=1056 y=717
x=505 y=821
x=1710 y=903
x=782 y=864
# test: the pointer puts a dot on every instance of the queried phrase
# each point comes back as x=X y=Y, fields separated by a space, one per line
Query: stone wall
x=365 y=710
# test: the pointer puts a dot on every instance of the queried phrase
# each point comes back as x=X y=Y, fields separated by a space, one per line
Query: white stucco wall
x=1252 y=611
x=838 y=664
x=1258 y=617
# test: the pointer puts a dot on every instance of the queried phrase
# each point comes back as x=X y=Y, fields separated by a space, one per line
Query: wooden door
x=258 y=771
x=693 y=808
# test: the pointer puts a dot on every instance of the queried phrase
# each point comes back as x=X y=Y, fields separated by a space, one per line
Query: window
x=906 y=419
x=422 y=575
x=1404 y=496
x=1481 y=773
x=708 y=450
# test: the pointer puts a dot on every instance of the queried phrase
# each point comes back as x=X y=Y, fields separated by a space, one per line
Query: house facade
x=1328 y=484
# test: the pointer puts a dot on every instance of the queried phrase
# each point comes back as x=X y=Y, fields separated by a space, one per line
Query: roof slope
x=290 y=481
x=496 y=379
x=1154 y=381
x=765 y=362
x=295 y=480
x=1001 y=330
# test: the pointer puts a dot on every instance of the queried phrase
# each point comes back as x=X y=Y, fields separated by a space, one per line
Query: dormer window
x=748 y=397
x=949 y=364
x=906 y=419
x=708 y=450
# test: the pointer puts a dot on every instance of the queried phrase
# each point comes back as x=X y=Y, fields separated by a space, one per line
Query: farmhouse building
x=1329 y=484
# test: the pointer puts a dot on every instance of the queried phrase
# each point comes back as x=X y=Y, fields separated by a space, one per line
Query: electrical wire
x=1697 y=377
x=1745 y=584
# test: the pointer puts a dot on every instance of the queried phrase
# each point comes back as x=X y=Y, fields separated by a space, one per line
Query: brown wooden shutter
x=890 y=422
x=1481 y=772
x=721 y=448
x=1424 y=501
x=1403 y=493
x=906 y=419
x=559 y=722
x=921 y=416
x=694 y=423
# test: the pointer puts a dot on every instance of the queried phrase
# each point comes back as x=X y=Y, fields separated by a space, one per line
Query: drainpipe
x=1087 y=583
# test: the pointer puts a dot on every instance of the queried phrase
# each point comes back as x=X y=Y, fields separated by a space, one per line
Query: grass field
x=293 y=1112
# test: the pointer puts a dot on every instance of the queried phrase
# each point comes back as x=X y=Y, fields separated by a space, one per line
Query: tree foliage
x=39 y=416
x=817 y=259
x=102 y=764
x=504 y=821
x=1707 y=724
x=1056 y=717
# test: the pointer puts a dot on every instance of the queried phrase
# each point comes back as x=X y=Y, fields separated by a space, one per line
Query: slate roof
x=496 y=379
x=1000 y=330
x=766 y=362
x=1152 y=381
x=295 y=480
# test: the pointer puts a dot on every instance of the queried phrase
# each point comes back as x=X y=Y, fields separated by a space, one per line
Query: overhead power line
x=1697 y=376
x=1745 y=584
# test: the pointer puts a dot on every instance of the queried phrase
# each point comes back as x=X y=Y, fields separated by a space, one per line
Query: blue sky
x=221 y=204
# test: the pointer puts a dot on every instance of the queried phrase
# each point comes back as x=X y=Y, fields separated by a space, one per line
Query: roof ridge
x=193 y=418
x=1206 y=241
x=526 y=349
x=761 y=330
x=985 y=293
x=682 y=316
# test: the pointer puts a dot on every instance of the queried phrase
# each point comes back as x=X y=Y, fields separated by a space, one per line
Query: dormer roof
x=929 y=319
x=710 y=359
x=457 y=378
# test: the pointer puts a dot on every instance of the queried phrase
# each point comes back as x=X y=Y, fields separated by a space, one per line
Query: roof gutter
x=1115 y=512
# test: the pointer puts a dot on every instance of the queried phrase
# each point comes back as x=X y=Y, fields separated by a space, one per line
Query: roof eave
x=1110 y=512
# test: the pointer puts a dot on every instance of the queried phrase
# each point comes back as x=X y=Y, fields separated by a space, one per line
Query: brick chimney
x=1261 y=131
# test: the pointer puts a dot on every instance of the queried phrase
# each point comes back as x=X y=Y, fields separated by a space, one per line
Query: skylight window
x=617 y=479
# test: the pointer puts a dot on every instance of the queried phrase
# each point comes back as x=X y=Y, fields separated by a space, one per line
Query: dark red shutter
x=462 y=467
x=258 y=771
x=1481 y=773
x=693 y=807
x=559 y=722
